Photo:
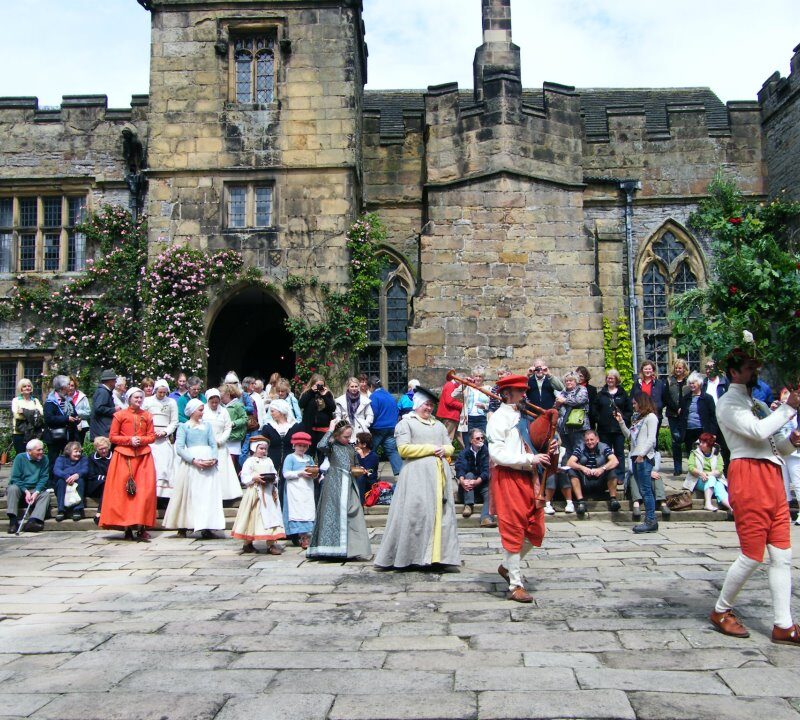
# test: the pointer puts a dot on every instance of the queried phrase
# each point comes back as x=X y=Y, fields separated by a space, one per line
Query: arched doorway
x=249 y=336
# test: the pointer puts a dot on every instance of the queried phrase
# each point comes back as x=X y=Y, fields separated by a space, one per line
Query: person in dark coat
x=649 y=384
x=98 y=469
x=610 y=397
x=542 y=386
x=60 y=421
x=676 y=389
x=318 y=407
x=583 y=379
x=698 y=413
x=472 y=473
x=103 y=407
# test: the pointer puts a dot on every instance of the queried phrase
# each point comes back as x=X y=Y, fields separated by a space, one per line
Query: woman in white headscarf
x=280 y=427
x=196 y=501
x=220 y=420
x=164 y=411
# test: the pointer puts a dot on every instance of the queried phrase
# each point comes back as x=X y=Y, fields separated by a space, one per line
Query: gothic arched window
x=670 y=265
x=387 y=330
x=255 y=69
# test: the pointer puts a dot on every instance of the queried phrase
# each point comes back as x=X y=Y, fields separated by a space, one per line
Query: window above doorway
x=249 y=206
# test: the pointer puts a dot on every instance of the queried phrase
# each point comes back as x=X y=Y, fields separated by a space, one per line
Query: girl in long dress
x=299 y=472
x=129 y=496
x=197 y=499
x=220 y=420
x=164 y=411
x=340 y=530
x=421 y=526
x=259 y=516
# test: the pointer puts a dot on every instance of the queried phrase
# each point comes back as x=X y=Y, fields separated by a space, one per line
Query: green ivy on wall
x=327 y=344
x=617 y=350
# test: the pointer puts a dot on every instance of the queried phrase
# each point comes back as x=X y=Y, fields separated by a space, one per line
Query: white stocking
x=738 y=574
x=511 y=561
x=780 y=585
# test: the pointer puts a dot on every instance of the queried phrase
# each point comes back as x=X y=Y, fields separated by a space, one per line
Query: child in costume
x=299 y=472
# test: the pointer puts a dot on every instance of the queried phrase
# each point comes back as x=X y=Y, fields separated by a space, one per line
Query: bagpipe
x=542 y=425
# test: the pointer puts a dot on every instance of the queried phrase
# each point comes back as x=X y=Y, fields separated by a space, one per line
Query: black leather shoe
x=13 y=524
x=580 y=507
x=613 y=505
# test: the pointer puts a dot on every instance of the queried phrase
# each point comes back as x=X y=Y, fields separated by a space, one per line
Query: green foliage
x=756 y=286
x=328 y=344
x=664 y=441
x=618 y=351
x=121 y=313
x=624 y=353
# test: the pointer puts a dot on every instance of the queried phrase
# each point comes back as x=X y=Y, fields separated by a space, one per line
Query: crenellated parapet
x=779 y=99
x=506 y=132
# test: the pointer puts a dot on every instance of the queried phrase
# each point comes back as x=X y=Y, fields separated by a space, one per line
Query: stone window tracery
x=387 y=330
x=670 y=265
x=254 y=61
x=39 y=234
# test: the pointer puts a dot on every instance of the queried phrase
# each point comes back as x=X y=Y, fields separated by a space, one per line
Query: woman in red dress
x=129 y=499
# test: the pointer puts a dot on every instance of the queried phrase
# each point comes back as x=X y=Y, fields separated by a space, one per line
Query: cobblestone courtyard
x=98 y=629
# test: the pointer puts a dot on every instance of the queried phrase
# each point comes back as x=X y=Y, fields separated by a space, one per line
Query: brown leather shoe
x=503 y=572
x=520 y=595
x=728 y=624
x=275 y=550
x=467 y=511
x=786 y=636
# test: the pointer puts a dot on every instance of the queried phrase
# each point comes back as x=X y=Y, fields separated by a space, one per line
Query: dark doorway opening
x=249 y=337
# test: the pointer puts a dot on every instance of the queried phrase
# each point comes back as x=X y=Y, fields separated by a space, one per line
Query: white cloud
x=52 y=48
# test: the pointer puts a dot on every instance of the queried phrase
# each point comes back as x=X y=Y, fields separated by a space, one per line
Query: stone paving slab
x=92 y=628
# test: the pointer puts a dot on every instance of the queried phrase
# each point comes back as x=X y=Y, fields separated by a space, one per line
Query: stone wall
x=306 y=142
x=507 y=273
x=780 y=109
x=681 y=161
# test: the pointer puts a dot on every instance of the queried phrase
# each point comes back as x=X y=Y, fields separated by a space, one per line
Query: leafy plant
x=755 y=287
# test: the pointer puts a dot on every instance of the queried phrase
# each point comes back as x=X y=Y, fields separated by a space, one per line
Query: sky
x=52 y=48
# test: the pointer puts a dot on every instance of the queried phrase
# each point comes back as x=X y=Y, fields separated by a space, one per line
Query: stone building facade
x=517 y=218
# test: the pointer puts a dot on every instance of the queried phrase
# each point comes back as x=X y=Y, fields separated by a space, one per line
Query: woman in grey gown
x=340 y=532
x=421 y=527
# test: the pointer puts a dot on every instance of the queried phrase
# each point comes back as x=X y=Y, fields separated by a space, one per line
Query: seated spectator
x=98 y=469
x=368 y=459
x=406 y=401
x=591 y=465
x=71 y=468
x=28 y=482
x=472 y=473
x=706 y=473
x=562 y=481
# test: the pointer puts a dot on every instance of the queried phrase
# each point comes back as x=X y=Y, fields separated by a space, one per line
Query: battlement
x=777 y=92
x=89 y=106
x=536 y=135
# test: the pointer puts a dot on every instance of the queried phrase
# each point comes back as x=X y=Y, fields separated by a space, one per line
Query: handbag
x=679 y=501
x=72 y=496
x=58 y=433
x=575 y=418
x=252 y=423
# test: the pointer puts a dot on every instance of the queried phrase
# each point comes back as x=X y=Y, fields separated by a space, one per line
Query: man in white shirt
x=757 y=496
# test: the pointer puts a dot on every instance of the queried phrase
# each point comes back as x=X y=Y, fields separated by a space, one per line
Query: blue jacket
x=763 y=392
x=64 y=467
x=384 y=409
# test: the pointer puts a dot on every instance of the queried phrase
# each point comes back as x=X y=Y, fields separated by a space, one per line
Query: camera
x=319 y=386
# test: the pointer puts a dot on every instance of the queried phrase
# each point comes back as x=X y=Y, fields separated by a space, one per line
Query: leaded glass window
x=39 y=233
x=32 y=369
x=250 y=206
x=669 y=268
x=387 y=330
x=13 y=369
x=8 y=380
x=254 y=60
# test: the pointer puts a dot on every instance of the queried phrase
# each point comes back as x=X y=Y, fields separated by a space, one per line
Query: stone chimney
x=497 y=54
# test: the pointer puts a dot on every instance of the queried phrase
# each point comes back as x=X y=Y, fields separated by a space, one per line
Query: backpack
x=379 y=494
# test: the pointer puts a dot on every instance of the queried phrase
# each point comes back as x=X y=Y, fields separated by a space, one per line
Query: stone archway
x=248 y=335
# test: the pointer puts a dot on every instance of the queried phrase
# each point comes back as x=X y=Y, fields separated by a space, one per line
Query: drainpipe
x=629 y=187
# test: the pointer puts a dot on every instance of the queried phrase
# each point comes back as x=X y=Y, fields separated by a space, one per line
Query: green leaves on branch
x=327 y=346
x=756 y=284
